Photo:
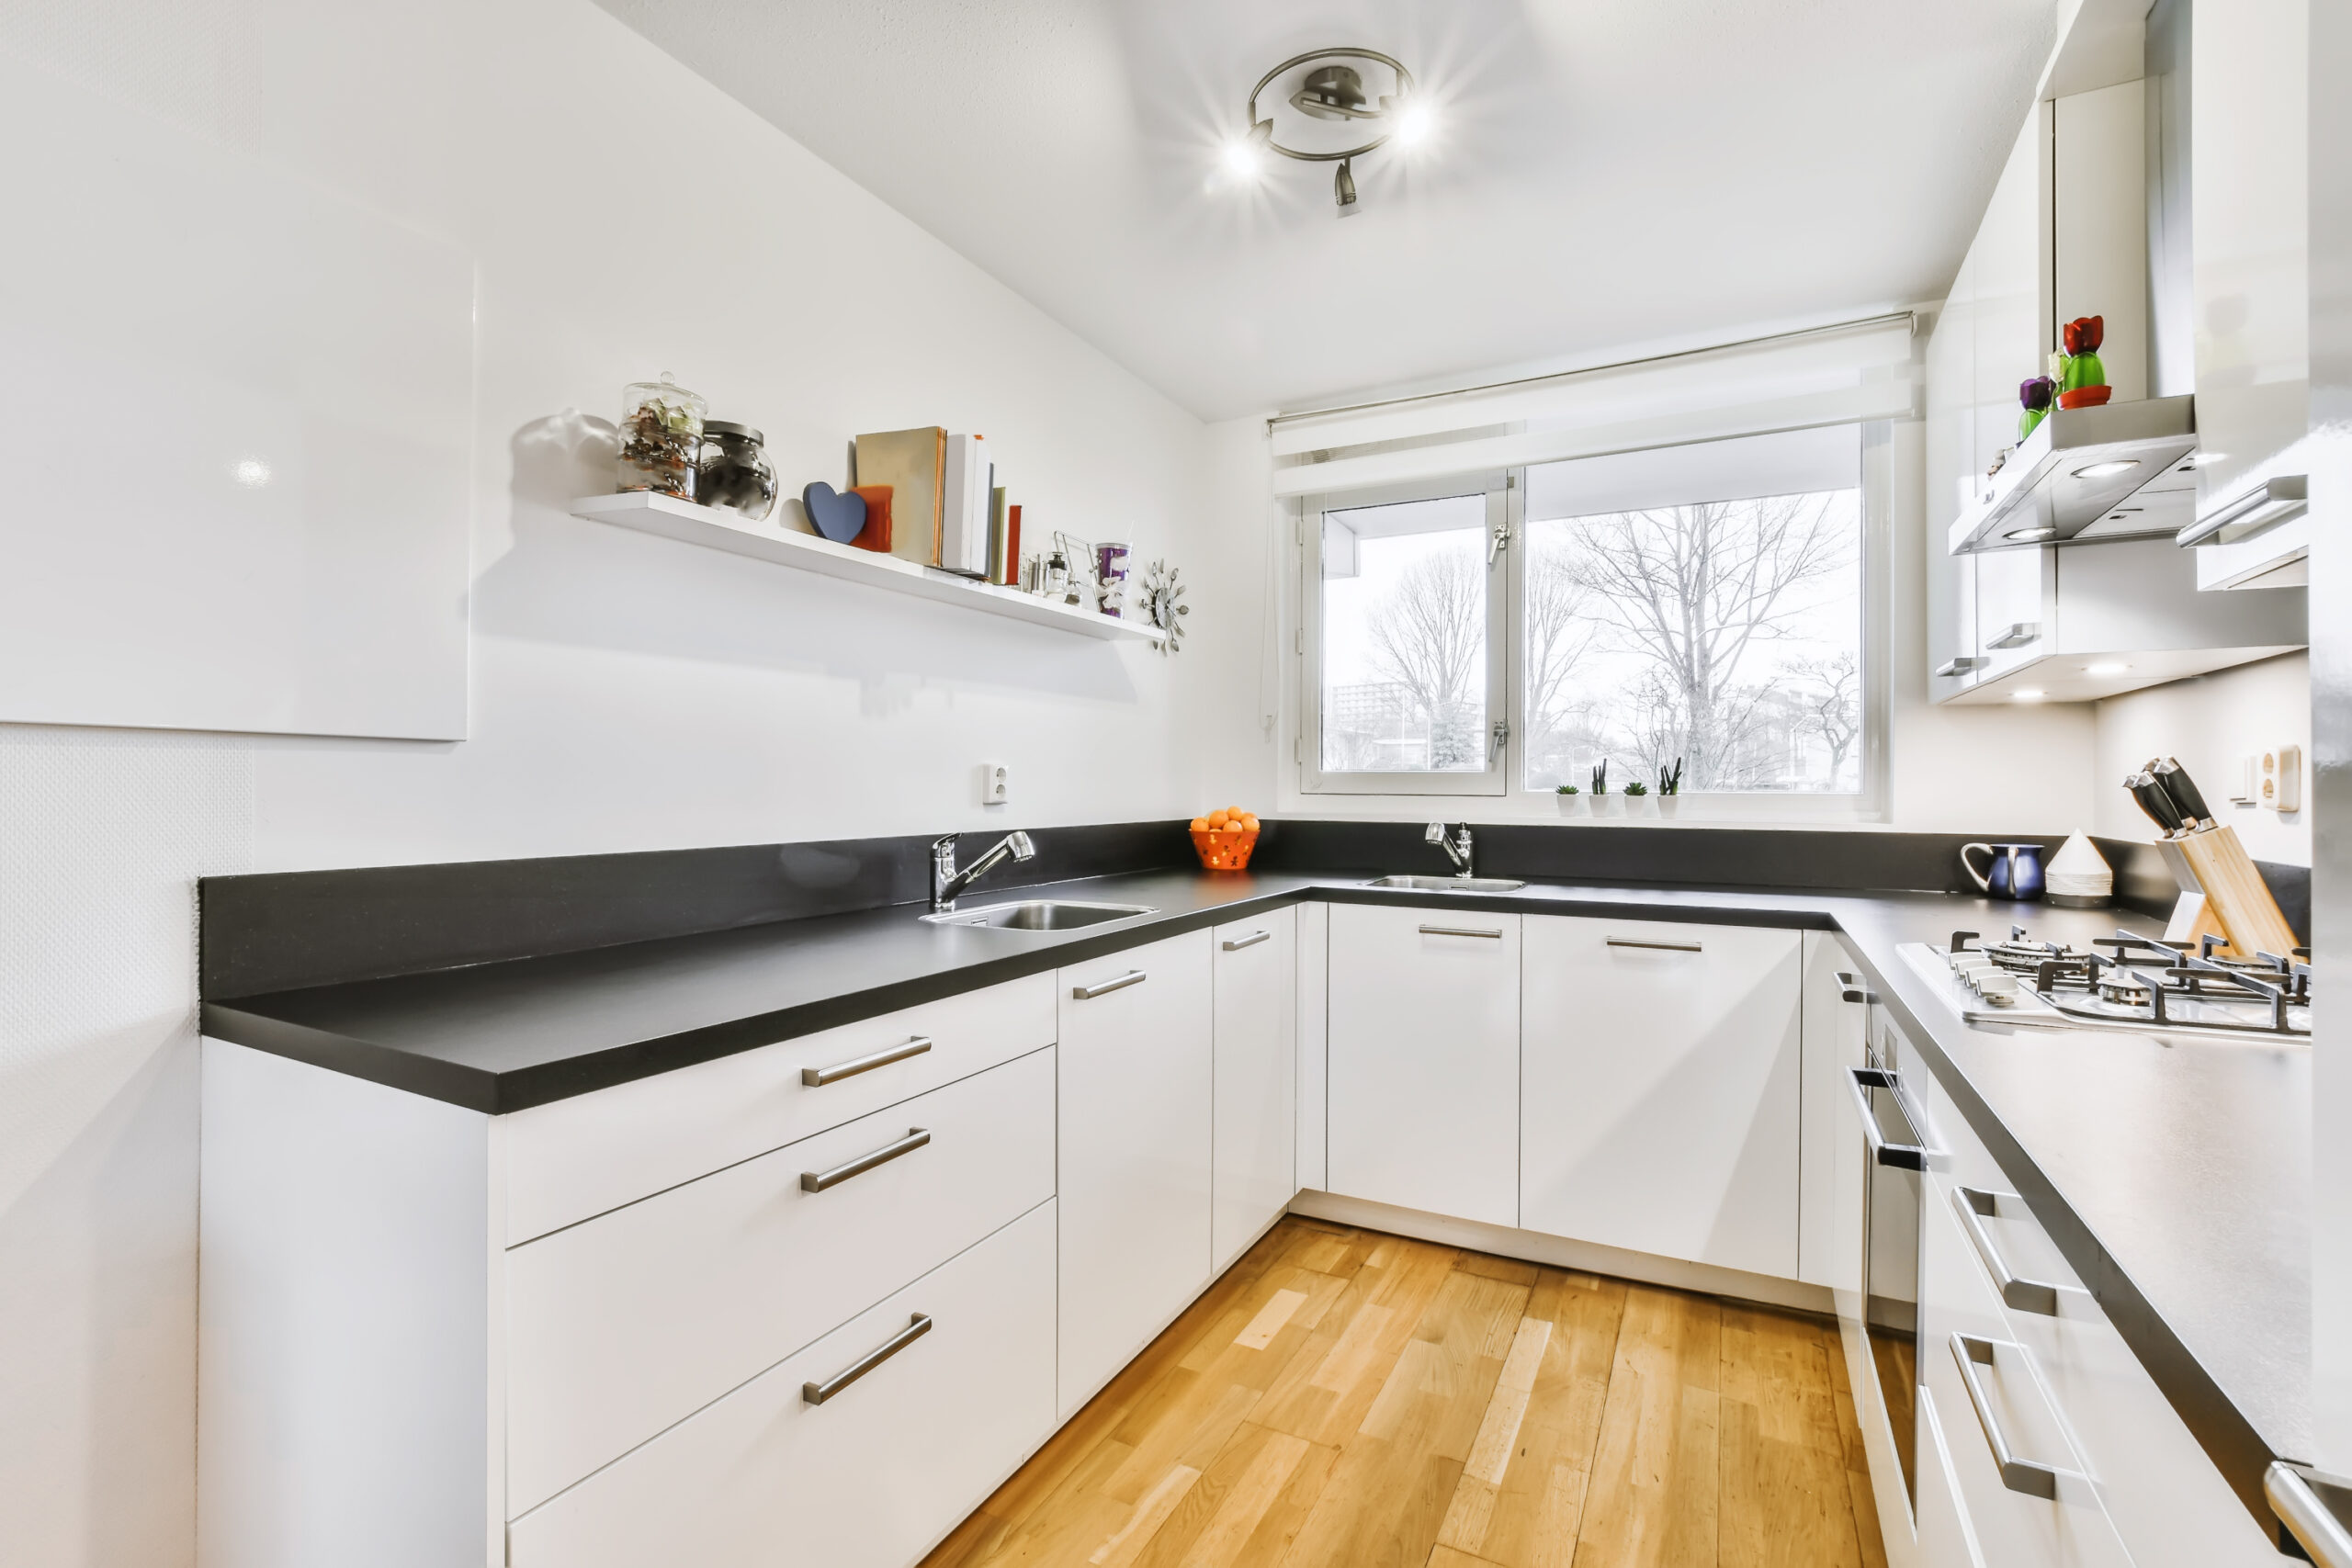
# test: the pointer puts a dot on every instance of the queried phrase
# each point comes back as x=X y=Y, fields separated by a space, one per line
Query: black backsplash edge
x=285 y=931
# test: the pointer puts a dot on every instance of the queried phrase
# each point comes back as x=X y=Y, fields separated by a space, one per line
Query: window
x=1701 y=605
x=1409 y=624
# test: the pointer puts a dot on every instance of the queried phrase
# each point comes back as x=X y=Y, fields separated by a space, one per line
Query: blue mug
x=2014 y=871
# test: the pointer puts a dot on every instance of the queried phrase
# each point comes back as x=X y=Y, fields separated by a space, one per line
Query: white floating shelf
x=689 y=524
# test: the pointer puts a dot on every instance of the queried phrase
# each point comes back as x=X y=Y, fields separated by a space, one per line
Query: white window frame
x=1503 y=780
x=1503 y=494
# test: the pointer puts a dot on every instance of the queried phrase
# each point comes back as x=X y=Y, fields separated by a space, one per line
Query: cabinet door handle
x=1459 y=931
x=1961 y=666
x=1252 y=940
x=1851 y=989
x=2017 y=1475
x=818 y=1077
x=817 y=1393
x=1131 y=977
x=818 y=1180
x=2016 y=633
x=2314 y=1525
x=1907 y=1157
x=1975 y=1207
x=1660 y=946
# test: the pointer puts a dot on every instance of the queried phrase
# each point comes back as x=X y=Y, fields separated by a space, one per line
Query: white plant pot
x=1578 y=804
x=1667 y=805
x=1640 y=806
x=1608 y=805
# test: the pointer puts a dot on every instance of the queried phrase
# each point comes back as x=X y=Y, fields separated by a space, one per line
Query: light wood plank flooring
x=1346 y=1398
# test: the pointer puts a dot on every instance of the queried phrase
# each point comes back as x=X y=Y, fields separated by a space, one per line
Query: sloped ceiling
x=1605 y=172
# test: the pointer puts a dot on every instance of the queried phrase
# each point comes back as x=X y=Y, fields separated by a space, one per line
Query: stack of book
x=947 y=509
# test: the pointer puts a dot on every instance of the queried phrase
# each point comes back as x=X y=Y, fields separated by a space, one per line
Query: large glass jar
x=660 y=438
x=735 y=475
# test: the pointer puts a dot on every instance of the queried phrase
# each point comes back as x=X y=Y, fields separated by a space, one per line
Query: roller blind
x=1840 y=375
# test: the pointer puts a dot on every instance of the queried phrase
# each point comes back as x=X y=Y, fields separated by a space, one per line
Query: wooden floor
x=1347 y=1398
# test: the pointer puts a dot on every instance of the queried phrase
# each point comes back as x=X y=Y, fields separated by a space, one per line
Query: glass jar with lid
x=734 y=474
x=660 y=438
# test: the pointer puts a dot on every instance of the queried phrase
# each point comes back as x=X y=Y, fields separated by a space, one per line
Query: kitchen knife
x=2183 y=790
x=2154 y=801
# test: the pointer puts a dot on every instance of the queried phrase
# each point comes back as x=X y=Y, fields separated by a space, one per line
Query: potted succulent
x=1603 y=802
x=1637 y=800
x=1669 y=788
x=1571 y=799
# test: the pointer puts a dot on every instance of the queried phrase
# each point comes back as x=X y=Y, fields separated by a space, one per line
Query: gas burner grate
x=2162 y=984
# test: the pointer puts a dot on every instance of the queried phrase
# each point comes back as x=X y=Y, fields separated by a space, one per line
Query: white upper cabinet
x=1661 y=1073
x=1424 y=1059
x=1134 y=1116
x=1253 y=1167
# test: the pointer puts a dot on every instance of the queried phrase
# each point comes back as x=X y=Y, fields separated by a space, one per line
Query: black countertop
x=2177 y=1181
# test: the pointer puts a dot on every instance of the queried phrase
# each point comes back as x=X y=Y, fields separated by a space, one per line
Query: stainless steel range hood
x=2084 y=475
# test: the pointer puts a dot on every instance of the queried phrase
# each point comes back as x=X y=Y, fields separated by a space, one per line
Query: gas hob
x=2121 y=984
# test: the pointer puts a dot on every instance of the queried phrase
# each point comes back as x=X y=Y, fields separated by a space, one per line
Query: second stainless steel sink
x=1448 y=884
x=1039 y=915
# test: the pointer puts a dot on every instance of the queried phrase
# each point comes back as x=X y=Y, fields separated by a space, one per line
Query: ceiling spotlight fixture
x=2108 y=469
x=1334 y=91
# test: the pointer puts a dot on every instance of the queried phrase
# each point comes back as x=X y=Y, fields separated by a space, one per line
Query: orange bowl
x=1221 y=851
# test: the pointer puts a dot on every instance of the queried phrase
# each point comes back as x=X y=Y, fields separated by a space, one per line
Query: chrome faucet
x=1457 y=849
x=946 y=881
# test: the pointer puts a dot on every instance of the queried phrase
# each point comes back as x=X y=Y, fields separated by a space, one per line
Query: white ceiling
x=1606 y=174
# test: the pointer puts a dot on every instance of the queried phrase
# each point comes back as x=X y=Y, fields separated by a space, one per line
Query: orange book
x=876 y=535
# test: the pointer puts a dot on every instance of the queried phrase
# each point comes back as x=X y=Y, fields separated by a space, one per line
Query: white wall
x=628 y=692
x=2210 y=722
x=2022 y=769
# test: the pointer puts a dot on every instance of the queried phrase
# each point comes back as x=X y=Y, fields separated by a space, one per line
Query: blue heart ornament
x=838 y=517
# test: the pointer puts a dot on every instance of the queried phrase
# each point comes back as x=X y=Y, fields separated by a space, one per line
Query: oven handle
x=2033 y=1479
x=1974 y=1206
x=1903 y=1157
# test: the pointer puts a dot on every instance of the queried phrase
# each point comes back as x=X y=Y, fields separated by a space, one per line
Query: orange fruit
x=1233 y=825
x=1220 y=818
x=1200 y=824
x=1249 y=821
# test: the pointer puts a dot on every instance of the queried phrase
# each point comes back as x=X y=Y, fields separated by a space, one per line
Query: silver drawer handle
x=1851 y=988
x=817 y=1393
x=1252 y=940
x=1459 y=931
x=1131 y=977
x=1907 y=1157
x=2307 y=1516
x=1660 y=946
x=818 y=1180
x=1975 y=1207
x=2017 y=1475
x=818 y=1077
x=1960 y=665
x=2016 y=635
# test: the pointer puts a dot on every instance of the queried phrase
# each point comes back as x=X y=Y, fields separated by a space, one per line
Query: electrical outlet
x=2282 y=778
x=996 y=783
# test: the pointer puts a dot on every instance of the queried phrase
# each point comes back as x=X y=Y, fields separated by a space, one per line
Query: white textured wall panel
x=102 y=835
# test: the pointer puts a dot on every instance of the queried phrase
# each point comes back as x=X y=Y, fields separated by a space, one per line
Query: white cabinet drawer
x=637 y=1318
x=1659 y=1088
x=870 y=1478
x=1423 y=1059
x=2012 y=1527
x=581 y=1156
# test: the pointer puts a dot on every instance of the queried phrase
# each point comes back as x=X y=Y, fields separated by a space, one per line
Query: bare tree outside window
x=1725 y=633
x=1405 y=656
x=1429 y=636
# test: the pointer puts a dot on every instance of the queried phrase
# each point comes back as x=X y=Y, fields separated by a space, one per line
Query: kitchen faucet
x=1457 y=849
x=946 y=881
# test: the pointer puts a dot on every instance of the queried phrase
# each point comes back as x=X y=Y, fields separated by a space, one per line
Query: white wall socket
x=996 y=783
x=2282 y=778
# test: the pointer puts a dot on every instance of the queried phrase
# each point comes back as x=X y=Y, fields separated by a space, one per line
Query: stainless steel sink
x=1040 y=915
x=1449 y=884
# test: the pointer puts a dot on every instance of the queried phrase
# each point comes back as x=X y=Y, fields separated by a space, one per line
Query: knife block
x=2237 y=905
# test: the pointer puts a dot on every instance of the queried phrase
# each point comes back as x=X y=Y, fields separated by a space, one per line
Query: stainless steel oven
x=1894 y=1188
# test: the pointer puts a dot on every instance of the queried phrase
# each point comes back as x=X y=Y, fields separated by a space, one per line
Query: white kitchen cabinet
x=1828 y=1245
x=1952 y=468
x=1659 y=1101
x=1135 y=1117
x=1424 y=1059
x=633 y=1320
x=870 y=1478
x=1252 y=1167
x=1314 y=1034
